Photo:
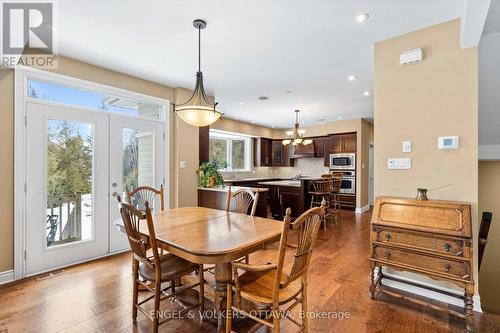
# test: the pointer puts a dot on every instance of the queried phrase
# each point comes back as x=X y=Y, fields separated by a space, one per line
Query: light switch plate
x=406 y=146
x=183 y=164
x=399 y=163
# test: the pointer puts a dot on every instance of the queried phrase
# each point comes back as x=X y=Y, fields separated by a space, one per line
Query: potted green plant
x=209 y=175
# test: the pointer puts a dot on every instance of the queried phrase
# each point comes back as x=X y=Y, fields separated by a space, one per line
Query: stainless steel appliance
x=344 y=161
x=348 y=185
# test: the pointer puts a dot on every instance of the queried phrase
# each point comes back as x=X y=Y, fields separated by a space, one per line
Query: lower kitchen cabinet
x=283 y=197
x=347 y=201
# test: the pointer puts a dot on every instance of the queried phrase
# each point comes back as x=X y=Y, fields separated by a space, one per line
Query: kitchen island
x=216 y=197
x=293 y=194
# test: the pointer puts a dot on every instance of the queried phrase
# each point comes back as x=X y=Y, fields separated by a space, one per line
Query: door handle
x=115 y=194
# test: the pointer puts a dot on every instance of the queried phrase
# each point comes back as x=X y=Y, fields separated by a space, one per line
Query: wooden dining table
x=211 y=236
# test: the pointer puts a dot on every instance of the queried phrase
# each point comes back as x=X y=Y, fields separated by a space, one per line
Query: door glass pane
x=138 y=158
x=238 y=154
x=69 y=182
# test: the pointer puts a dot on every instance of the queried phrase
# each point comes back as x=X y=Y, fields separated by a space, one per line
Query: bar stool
x=336 y=211
x=321 y=191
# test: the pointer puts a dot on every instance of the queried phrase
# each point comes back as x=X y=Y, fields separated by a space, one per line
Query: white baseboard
x=7 y=276
x=362 y=209
x=429 y=293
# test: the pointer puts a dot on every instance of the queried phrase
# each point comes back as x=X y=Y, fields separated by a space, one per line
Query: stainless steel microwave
x=343 y=161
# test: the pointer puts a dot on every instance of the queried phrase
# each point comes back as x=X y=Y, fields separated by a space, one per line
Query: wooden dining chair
x=242 y=201
x=139 y=195
x=155 y=269
x=267 y=286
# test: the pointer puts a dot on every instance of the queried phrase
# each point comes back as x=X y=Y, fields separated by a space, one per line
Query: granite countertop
x=233 y=188
x=235 y=180
x=294 y=183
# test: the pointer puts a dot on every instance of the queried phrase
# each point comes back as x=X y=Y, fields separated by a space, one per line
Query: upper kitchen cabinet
x=277 y=153
x=262 y=149
x=319 y=147
x=281 y=154
x=268 y=152
x=342 y=143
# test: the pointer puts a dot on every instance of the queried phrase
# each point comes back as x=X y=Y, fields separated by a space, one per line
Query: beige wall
x=180 y=132
x=419 y=102
x=7 y=169
x=489 y=201
x=184 y=147
x=240 y=127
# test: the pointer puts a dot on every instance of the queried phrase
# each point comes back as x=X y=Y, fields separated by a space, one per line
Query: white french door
x=66 y=186
x=136 y=159
x=78 y=161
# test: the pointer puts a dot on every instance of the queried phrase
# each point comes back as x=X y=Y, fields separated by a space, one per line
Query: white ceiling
x=250 y=48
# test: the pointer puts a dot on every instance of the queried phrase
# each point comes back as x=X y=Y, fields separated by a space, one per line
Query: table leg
x=222 y=278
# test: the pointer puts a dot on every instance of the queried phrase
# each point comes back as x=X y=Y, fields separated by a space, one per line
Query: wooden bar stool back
x=321 y=191
x=155 y=269
x=335 y=208
x=267 y=286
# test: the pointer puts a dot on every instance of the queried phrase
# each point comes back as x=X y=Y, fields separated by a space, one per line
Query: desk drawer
x=421 y=241
x=421 y=261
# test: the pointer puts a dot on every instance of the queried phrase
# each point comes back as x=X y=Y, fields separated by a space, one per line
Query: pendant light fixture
x=295 y=136
x=198 y=111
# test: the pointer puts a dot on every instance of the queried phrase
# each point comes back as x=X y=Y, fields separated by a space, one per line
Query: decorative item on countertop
x=209 y=175
x=422 y=192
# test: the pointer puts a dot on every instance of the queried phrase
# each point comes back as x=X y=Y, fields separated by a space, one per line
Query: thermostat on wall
x=448 y=142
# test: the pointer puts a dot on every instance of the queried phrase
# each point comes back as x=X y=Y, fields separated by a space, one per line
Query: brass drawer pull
x=388 y=254
x=447 y=247
x=447 y=268
x=388 y=237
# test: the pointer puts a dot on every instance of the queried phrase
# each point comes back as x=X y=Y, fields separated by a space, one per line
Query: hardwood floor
x=97 y=296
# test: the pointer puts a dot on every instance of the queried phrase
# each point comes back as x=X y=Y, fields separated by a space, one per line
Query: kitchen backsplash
x=313 y=167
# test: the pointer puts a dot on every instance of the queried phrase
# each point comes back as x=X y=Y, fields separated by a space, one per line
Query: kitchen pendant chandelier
x=296 y=136
x=198 y=111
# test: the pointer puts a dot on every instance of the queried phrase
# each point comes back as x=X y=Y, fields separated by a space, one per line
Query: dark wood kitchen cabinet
x=319 y=147
x=342 y=143
x=282 y=197
x=277 y=153
x=266 y=148
x=280 y=154
x=268 y=152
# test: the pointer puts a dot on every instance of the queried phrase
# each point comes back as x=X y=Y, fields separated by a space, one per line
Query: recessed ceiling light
x=366 y=93
x=253 y=121
x=263 y=98
x=242 y=103
x=340 y=117
x=351 y=77
x=362 y=18
x=272 y=126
